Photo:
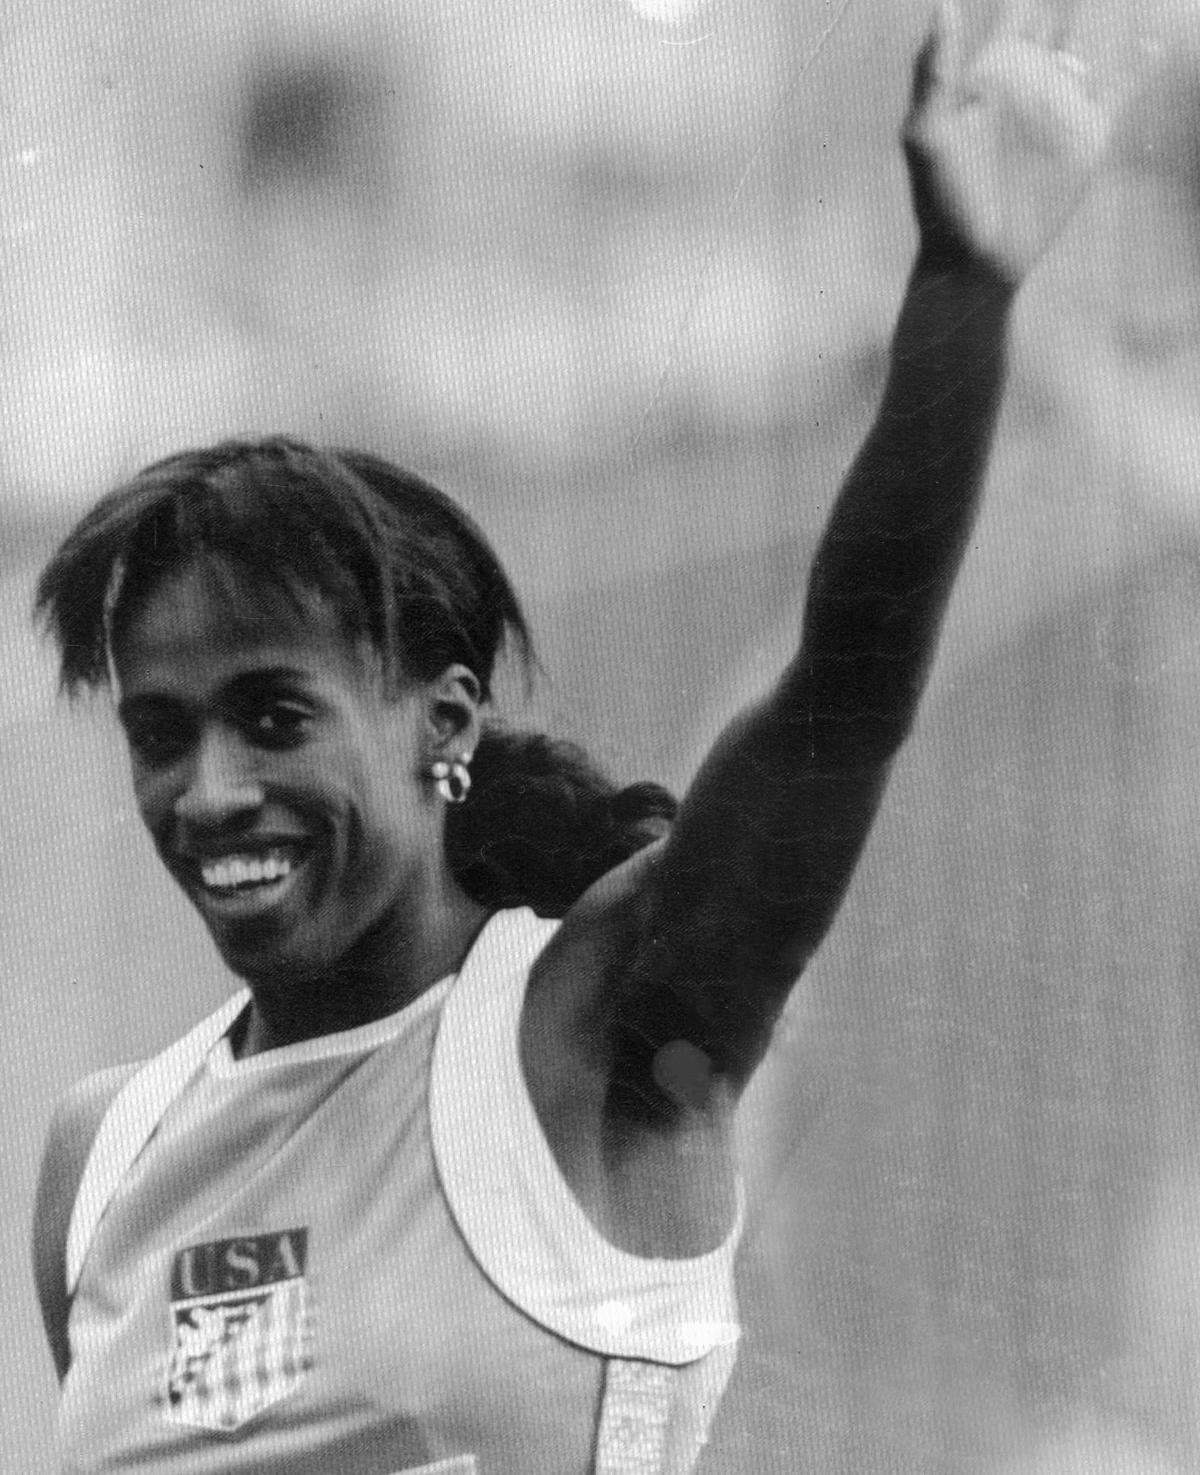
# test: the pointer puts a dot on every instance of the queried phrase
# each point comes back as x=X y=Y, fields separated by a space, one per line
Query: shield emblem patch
x=240 y=1332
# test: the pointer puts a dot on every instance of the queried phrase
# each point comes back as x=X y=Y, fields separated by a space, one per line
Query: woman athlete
x=450 y=1185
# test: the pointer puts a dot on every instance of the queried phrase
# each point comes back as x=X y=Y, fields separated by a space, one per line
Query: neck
x=392 y=964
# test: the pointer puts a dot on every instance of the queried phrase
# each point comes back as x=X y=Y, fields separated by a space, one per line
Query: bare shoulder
x=73 y=1129
x=572 y=984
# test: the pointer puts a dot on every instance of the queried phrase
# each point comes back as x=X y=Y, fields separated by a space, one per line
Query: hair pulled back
x=401 y=566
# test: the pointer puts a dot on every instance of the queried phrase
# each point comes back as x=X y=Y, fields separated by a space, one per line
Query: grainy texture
x=467 y=243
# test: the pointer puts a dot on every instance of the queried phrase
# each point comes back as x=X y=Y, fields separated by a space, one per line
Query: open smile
x=247 y=880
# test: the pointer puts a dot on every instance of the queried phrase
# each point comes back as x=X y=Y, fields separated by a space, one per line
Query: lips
x=247 y=876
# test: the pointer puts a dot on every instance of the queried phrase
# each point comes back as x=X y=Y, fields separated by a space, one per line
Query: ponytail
x=542 y=823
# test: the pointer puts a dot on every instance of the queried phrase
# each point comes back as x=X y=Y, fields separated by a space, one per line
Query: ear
x=453 y=713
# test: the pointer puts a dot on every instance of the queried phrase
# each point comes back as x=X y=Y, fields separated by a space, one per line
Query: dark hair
x=401 y=566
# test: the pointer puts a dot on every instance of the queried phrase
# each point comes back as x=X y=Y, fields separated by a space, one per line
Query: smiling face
x=282 y=784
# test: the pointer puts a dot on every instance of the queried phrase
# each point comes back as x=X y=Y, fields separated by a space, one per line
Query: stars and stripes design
x=236 y=1351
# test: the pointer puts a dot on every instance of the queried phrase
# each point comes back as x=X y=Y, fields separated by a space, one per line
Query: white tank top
x=357 y=1255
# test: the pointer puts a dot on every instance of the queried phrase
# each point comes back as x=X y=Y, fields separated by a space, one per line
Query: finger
x=1040 y=67
x=1126 y=77
x=924 y=77
x=1045 y=95
x=948 y=27
x=1023 y=19
x=939 y=61
x=1064 y=16
x=1111 y=81
x=1047 y=23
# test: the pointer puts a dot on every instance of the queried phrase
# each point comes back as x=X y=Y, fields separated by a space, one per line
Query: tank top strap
x=635 y=1417
x=514 y=1209
x=654 y=1417
x=130 y=1122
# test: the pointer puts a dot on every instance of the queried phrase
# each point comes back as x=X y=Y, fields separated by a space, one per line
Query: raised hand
x=1001 y=149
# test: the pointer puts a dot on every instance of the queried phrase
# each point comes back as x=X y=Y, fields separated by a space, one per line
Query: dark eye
x=158 y=741
x=276 y=725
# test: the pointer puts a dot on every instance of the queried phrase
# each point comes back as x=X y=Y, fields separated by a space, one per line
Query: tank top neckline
x=360 y=1040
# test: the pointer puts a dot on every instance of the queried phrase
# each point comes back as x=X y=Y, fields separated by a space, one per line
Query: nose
x=220 y=786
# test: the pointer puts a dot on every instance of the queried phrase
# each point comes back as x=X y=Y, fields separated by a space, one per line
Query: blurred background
x=621 y=279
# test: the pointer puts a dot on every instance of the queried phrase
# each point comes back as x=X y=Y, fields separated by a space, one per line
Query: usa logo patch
x=240 y=1333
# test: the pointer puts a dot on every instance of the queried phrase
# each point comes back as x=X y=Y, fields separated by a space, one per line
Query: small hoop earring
x=452 y=780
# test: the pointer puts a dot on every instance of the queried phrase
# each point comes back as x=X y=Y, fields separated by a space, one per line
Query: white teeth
x=232 y=871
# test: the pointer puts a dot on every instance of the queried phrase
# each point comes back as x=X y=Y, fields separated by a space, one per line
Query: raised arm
x=732 y=907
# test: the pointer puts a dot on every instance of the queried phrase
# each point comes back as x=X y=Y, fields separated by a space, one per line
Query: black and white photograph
x=600 y=737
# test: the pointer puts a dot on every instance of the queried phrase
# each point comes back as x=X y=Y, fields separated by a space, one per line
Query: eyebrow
x=244 y=684
x=268 y=676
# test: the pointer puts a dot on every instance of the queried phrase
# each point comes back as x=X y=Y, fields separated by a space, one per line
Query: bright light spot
x=614 y=1316
x=706 y=1334
x=28 y=157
